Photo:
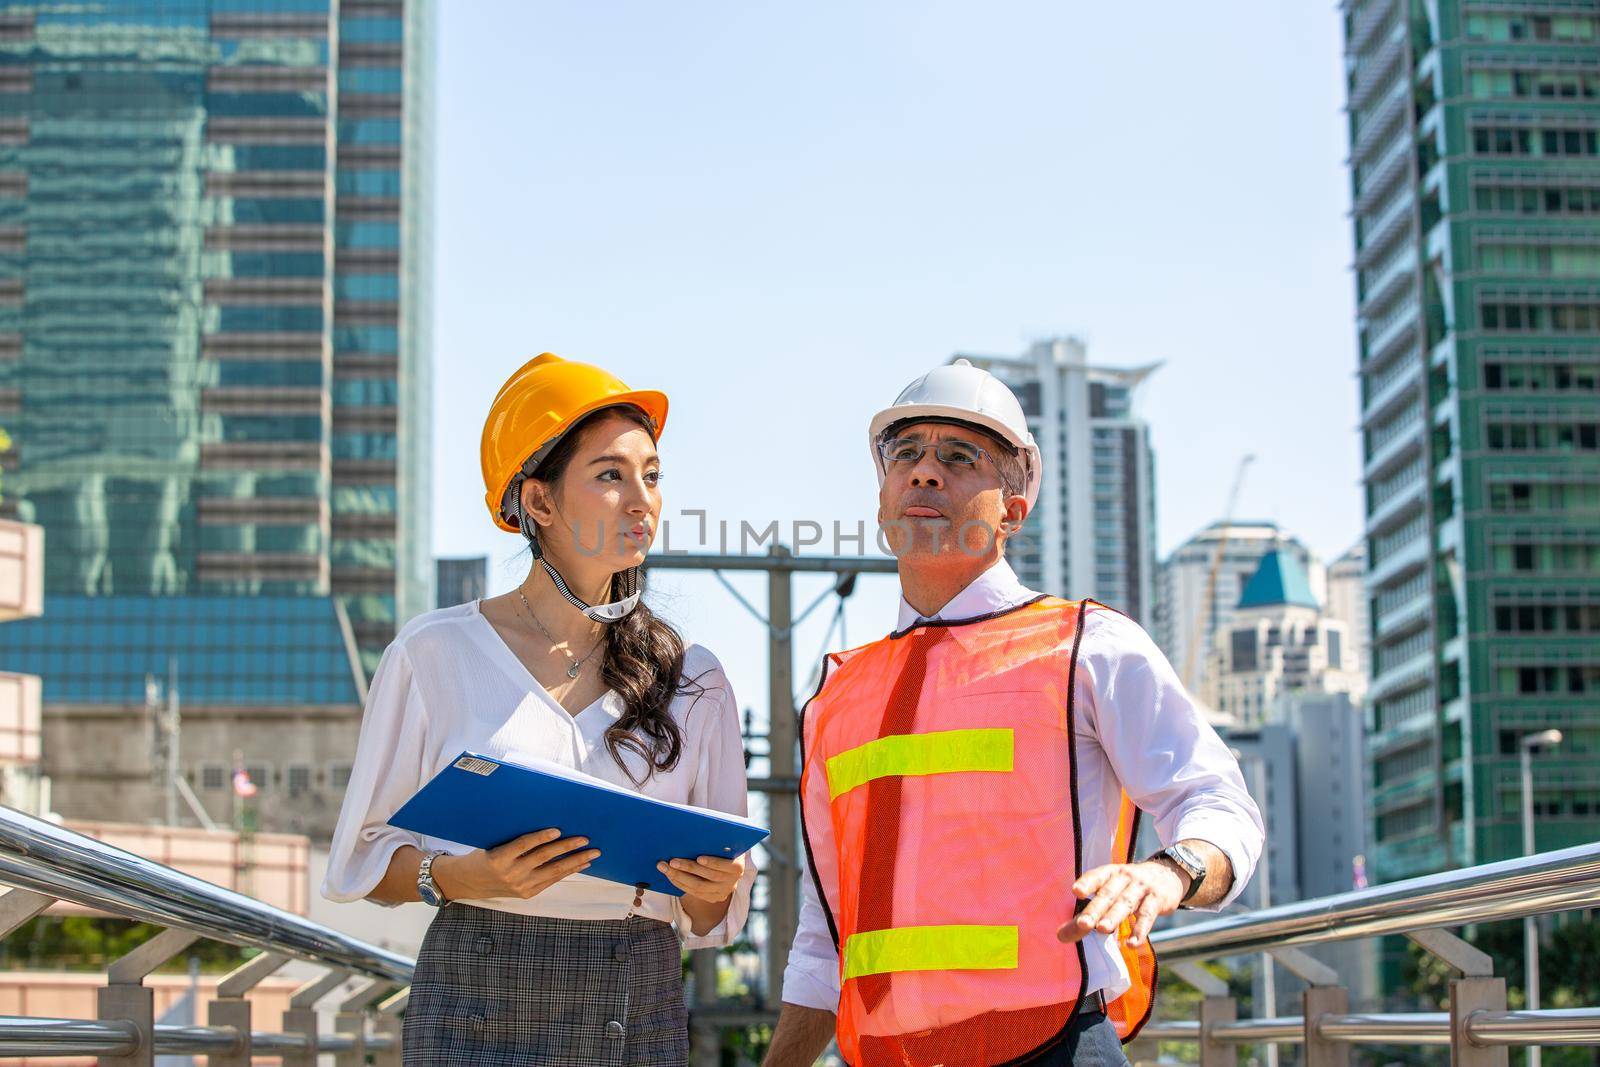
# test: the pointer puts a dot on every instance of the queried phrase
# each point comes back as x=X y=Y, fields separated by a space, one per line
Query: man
x=972 y=784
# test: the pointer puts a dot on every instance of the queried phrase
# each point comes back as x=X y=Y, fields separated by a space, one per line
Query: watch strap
x=425 y=876
x=1196 y=877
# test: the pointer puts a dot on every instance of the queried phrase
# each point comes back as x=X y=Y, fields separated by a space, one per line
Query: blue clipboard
x=484 y=802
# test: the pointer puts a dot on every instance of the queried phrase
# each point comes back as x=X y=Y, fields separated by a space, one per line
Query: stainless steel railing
x=1478 y=1028
x=45 y=863
x=1535 y=885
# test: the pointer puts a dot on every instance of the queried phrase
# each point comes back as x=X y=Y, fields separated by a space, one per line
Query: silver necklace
x=572 y=671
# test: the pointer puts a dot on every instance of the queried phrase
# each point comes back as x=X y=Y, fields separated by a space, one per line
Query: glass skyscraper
x=214 y=328
x=1476 y=185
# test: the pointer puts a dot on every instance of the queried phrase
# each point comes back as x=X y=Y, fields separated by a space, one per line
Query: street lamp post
x=1269 y=981
x=1530 y=928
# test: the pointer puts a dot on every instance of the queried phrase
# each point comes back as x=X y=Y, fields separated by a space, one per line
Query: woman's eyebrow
x=614 y=458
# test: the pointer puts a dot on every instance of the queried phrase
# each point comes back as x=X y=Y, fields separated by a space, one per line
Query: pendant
x=572 y=671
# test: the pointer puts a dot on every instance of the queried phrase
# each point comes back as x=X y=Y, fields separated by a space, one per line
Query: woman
x=529 y=961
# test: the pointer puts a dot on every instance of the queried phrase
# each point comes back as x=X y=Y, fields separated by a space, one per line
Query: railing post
x=301 y=1016
x=1214 y=1053
x=1324 y=996
x=1468 y=996
x=353 y=1023
x=390 y=1025
x=1317 y=1001
x=352 y=1019
x=1216 y=1006
x=230 y=1008
x=124 y=997
x=1476 y=990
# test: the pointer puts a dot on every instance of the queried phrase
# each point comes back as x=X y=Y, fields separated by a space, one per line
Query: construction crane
x=1205 y=621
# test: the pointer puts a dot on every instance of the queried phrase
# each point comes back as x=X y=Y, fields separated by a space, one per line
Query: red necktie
x=875 y=903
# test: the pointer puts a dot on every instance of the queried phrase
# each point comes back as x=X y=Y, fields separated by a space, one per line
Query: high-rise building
x=1186 y=619
x=1092 y=532
x=1475 y=175
x=214 y=349
x=1307 y=773
x=1278 y=642
x=1347 y=602
x=462 y=580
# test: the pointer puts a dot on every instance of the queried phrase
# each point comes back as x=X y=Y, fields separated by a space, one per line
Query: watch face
x=1187 y=858
x=428 y=894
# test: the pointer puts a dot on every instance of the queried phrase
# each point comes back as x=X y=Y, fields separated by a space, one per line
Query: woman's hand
x=522 y=867
x=710 y=878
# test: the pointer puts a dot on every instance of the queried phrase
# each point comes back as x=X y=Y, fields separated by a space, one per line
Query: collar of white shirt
x=996 y=589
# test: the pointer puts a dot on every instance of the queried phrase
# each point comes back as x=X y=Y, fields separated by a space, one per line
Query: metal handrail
x=50 y=859
x=1555 y=1026
x=1534 y=885
x=1558 y=1026
x=1409 y=1028
x=28 y=1036
x=1285 y=1029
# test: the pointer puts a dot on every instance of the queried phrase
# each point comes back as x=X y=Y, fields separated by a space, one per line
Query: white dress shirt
x=1138 y=731
x=447 y=683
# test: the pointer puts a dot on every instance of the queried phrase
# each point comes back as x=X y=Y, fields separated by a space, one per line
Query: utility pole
x=166 y=726
x=158 y=731
x=782 y=785
x=783 y=908
x=174 y=731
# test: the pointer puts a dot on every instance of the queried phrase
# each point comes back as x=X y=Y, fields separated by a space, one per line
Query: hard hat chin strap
x=628 y=580
x=612 y=612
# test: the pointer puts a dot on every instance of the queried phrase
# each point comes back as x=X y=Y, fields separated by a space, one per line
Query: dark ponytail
x=643 y=658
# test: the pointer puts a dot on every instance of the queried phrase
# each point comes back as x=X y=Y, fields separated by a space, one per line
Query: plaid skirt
x=502 y=989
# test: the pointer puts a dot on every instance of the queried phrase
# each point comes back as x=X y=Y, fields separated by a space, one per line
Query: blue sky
x=781 y=214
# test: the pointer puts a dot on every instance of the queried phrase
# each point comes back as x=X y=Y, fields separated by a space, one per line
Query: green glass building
x=1475 y=174
x=214 y=341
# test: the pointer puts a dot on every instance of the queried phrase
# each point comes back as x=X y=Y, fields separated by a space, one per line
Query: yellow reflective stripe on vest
x=944 y=752
x=931 y=948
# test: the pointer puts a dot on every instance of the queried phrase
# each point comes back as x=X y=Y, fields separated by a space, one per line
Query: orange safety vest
x=938 y=805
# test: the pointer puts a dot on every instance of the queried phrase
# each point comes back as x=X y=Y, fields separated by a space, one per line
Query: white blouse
x=448 y=682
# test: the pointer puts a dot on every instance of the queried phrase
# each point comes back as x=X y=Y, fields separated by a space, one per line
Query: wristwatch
x=427 y=888
x=1187 y=860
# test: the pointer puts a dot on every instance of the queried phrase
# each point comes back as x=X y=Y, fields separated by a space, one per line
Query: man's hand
x=1146 y=891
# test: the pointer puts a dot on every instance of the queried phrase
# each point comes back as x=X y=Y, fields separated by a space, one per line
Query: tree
x=91 y=943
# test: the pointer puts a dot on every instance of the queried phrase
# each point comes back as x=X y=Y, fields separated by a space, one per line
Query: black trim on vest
x=1133 y=845
x=805 y=834
x=1050 y=1044
x=1155 y=963
x=897 y=634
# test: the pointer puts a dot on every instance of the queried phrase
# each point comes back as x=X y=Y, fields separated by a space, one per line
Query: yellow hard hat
x=543 y=400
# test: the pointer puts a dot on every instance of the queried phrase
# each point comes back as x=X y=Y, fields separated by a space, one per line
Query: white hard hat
x=960 y=392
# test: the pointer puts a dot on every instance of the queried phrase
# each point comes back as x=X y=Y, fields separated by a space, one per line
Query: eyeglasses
x=952 y=451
